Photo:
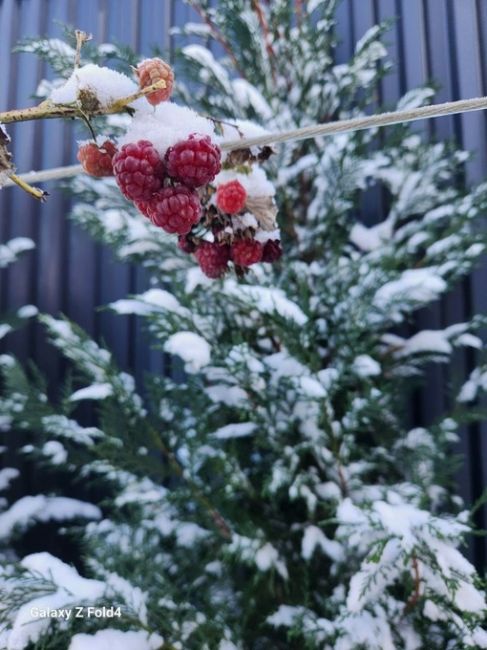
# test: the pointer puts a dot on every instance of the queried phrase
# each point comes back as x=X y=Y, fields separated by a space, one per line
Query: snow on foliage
x=69 y=589
x=276 y=476
x=29 y=509
x=417 y=286
x=116 y=640
x=266 y=299
x=10 y=251
x=193 y=349
x=237 y=430
x=95 y=391
x=477 y=382
x=7 y=475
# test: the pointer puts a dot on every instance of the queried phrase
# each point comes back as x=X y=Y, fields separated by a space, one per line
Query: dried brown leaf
x=264 y=210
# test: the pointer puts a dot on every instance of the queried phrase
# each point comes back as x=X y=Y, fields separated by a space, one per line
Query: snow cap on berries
x=175 y=209
x=231 y=197
x=246 y=252
x=138 y=170
x=102 y=84
x=96 y=159
x=150 y=72
x=165 y=125
x=213 y=258
x=194 y=161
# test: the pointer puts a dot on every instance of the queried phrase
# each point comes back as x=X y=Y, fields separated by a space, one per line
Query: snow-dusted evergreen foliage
x=274 y=498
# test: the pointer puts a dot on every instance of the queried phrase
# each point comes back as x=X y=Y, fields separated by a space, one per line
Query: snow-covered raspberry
x=213 y=258
x=231 y=197
x=246 y=252
x=139 y=170
x=272 y=251
x=186 y=245
x=194 y=162
x=96 y=160
x=176 y=209
x=150 y=72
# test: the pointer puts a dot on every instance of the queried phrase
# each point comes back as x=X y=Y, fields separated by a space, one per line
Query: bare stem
x=219 y=522
x=266 y=35
x=414 y=597
x=218 y=36
x=81 y=38
x=33 y=191
x=48 y=110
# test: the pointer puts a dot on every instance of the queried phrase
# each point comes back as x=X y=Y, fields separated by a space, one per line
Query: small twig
x=267 y=37
x=33 y=191
x=218 y=121
x=218 y=36
x=48 y=110
x=86 y=120
x=119 y=105
x=299 y=12
x=414 y=597
x=48 y=175
x=81 y=39
x=218 y=520
x=342 y=480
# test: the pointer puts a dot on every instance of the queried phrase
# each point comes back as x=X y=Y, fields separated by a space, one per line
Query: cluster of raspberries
x=173 y=191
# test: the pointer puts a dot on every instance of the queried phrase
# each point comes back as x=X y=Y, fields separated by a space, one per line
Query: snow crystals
x=264 y=556
x=417 y=286
x=365 y=366
x=266 y=299
x=116 y=640
x=70 y=588
x=476 y=382
x=10 y=251
x=168 y=124
x=105 y=84
x=95 y=391
x=193 y=349
x=238 y=430
x=29 y=509
x=314 y=538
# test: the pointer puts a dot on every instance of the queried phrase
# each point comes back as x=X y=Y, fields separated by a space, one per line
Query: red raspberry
x=138 y=170
x=142 y=207
x=246 y=252
x=176 y=209
x=194 y=162
x=149 y=72
x=186 y=245
x=97 y=160
x=231 y=197
x=272 y=250
x=213 y=258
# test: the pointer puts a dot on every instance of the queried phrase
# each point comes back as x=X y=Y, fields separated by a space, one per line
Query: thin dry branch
x=241 y=147
x=415 y=596
x=48 y=110
x=218 y=37
x=37 y=193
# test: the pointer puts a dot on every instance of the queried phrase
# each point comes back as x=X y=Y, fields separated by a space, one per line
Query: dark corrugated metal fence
x=440 y=40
